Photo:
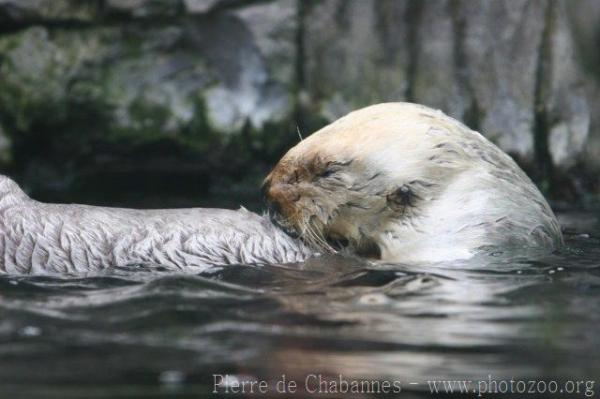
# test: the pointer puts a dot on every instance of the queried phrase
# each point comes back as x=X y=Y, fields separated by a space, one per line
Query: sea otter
x=402 y=182
x=396 y=182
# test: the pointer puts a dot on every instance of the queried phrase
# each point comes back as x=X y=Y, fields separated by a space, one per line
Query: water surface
x=149 y=332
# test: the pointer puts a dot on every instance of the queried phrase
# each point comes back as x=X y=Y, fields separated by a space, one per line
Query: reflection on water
x=148 y=332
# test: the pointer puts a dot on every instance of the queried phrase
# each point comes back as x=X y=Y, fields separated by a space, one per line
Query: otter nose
x=280 y=195
x=281 y=191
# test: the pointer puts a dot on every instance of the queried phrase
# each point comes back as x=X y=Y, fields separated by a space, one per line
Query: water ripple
x=502 y=314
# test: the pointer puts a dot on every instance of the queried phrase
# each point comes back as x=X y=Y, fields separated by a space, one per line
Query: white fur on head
x=411 y=182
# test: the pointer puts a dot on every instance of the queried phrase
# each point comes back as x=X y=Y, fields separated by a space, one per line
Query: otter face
x=330 y=200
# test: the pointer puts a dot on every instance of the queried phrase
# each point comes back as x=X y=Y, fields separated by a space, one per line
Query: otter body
x=402 y=182
x=42 y=238
x=397 y=182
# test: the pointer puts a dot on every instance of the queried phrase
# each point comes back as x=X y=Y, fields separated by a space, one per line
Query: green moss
x=75 y=100
x=197 y=134
x=148 y=123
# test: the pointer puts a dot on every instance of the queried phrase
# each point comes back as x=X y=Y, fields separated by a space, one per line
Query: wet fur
x=408 y=184
x=39 y=238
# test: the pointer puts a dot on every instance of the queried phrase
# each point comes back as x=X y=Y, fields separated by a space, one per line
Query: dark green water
x=143 y=332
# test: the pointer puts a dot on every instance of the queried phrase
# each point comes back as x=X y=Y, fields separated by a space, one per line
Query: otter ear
x=400 y=198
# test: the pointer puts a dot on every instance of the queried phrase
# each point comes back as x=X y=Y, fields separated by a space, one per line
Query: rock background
x=183 y=102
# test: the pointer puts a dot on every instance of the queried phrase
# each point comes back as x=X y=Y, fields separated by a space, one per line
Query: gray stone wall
x=214 y=91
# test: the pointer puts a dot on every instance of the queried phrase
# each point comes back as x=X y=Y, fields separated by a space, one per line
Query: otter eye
x=403 y=196
x=331 y=168
x=326 y=173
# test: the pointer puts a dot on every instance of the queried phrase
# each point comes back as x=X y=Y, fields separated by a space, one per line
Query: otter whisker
x=310 y=233
x=318 y=234
x=299 y=134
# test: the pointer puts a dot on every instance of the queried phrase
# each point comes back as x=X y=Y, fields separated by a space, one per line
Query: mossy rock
x=75 y=98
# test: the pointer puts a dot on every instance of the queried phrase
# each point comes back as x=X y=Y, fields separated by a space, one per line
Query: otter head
x=323 y=198
x=355 y=181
